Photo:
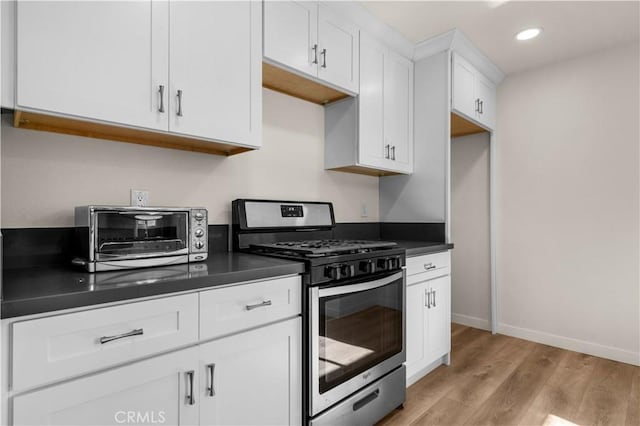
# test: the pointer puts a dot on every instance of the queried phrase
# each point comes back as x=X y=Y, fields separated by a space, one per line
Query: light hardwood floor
x=500 y=380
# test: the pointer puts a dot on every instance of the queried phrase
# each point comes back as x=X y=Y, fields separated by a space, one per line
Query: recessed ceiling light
x=528 y=34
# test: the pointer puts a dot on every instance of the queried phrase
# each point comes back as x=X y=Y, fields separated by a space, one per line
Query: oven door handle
x=353 y=288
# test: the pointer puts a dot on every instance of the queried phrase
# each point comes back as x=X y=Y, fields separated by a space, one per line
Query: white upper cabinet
x=184 y=68
x=473 y=95
x=337 y=50
x=373 y=134
x=290 y=34
x=313 y=40
x=215 y=87
x=100 y=60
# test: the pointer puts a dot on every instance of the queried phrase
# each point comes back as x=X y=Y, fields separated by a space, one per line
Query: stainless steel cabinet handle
x=324 y=58
x=481 y=107
x=393 y=152
x=212 y=370
x=427 y=298
x=161 y=92
x=136 y=332
x=315 y=53
x=386 y=151
x=191 y=400
x=429 y=266
x=179 y=112
x=258 y=305
x=477 y=104
x=434 y=298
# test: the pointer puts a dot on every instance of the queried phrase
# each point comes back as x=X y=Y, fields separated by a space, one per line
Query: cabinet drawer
x=57 y=347
x=231 y=309
x=420 y=268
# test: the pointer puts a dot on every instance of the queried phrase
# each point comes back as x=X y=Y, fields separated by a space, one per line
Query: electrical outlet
x=364 y=210
x=139 y=198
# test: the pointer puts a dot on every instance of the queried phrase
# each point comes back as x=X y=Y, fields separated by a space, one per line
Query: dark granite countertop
x=417 y=248
x=46 y=289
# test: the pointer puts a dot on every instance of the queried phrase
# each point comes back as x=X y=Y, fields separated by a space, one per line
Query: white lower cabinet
x=428 y=322
x=155 y=391
x=252 y=378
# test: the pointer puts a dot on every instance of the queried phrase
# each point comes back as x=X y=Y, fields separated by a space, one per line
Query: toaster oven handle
x=146 y=213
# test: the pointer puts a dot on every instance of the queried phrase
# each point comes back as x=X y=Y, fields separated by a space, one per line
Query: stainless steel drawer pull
x=367 y=399
x=212 y=371
x=481 y=107
x=191 y=400
x=161 y=92
x=434 y=298
x=429 y=266
x=427 y=298
x=315 y=53
x=258 y=305
x=386 y=151
x=324 y=58
x=136 y=332
x=393 y=152
x=179 y=112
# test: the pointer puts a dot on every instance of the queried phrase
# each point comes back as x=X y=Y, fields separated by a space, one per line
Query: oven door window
x=122 y=235
x=358 y=330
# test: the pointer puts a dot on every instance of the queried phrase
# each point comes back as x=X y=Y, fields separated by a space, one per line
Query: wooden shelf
x=463 y=127
x=70 y=126
x=286 y=82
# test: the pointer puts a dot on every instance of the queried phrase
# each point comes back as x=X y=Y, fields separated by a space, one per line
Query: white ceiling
x=571 y=28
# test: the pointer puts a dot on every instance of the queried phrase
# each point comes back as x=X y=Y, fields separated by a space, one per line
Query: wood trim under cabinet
x=363 y=171
x=291 y=84
x=463 y=127
x=70 y=126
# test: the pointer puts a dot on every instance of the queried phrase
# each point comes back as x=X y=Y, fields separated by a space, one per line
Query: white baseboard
x=474 y=322
x=609 y=352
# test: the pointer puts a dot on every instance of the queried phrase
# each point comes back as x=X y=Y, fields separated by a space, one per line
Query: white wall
x=44 y=175
x=470 y=259
x=568 y=193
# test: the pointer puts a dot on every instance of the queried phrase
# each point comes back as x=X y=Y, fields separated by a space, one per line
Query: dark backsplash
x=30 y=247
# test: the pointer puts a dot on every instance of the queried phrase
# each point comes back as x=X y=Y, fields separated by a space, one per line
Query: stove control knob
x=383 y=263
x=199 y=245
x=347 y=271
x=368 y=267
x=394 y=263
x=333 y=272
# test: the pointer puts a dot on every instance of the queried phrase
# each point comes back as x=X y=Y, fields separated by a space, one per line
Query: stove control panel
x=356 y=266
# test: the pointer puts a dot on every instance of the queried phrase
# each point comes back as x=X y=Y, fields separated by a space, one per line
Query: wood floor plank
x=633 y=405
x=445 y=412
x=457 y=328
x=606 y=398
x=515 y=394
x=489 y=372
x=563 y=392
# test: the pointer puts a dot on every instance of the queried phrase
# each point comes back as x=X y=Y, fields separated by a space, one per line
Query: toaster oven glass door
x=136 y=234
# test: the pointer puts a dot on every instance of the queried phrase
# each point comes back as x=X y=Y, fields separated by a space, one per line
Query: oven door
x=357 y=335
x=123 y=235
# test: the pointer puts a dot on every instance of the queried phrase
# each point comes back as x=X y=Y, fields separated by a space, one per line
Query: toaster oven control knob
x=333 y=272
x=199 y=216
x=199 y=245
x=347 y=271
x=199 y=232
x=368 y=267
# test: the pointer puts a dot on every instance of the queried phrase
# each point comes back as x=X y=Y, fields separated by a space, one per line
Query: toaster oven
x=111 y=237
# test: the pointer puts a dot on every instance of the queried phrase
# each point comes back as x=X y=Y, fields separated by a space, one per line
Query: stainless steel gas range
x=353 y=308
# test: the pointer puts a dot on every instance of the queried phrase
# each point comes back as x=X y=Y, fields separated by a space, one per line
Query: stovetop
x=320 y=248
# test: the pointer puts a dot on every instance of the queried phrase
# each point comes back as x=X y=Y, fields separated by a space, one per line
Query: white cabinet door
x=416 y=327
x=398 y=111
x=464 y=99
x=371 y=150
x=338 y=47
x=98 y=60
x=439 y=335
x=216 y=74
x=154 y=391
x=253 y=378
x=486 y=93
x=290 y=34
